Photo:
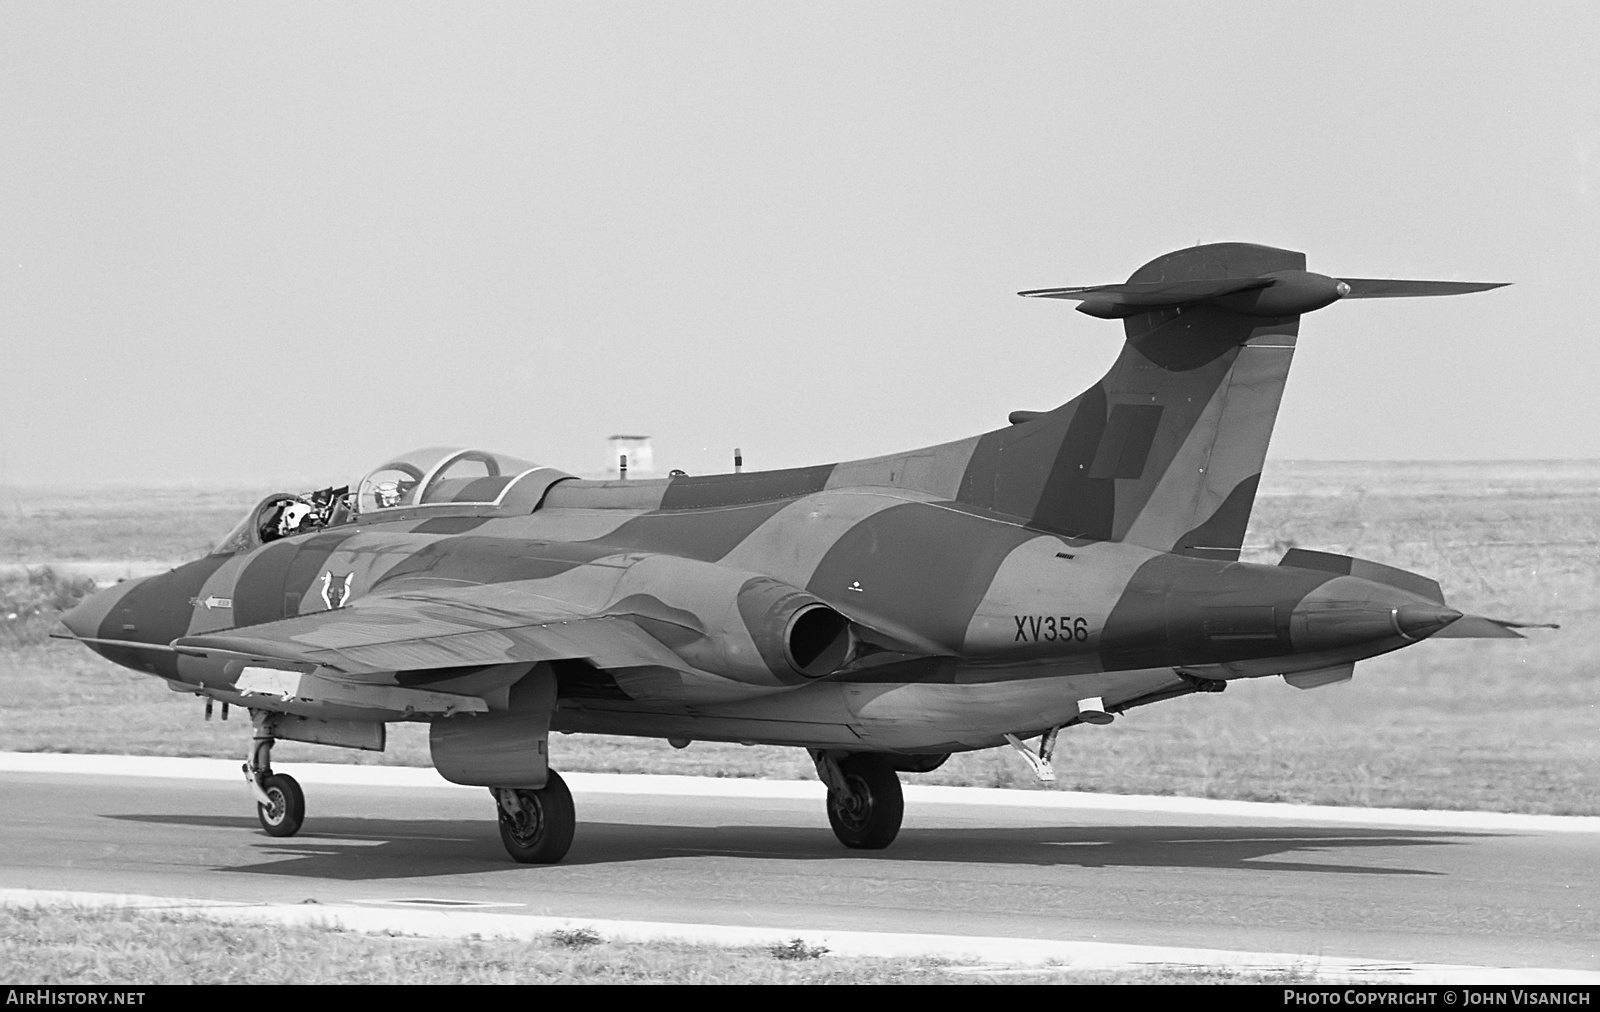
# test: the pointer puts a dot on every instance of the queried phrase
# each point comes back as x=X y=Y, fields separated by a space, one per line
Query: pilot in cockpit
x=391 y=493
x=285 y=519
x=303 y=514
x=293 y=519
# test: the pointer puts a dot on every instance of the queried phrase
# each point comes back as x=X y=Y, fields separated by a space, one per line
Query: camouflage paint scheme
x=911 y=605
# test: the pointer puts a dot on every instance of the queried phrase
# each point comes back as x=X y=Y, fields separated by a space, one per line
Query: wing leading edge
x=435 y=629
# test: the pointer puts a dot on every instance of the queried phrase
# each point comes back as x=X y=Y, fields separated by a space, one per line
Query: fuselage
x=965 y=624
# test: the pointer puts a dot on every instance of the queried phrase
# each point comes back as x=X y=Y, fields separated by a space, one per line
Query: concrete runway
x=1391 y=887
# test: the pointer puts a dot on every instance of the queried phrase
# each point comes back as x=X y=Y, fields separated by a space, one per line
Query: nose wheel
x=536 y=826
x=285 y=809
x=280 y=803
x=865 y=803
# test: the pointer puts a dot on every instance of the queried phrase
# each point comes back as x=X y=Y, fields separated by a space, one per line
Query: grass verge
x=45 y=945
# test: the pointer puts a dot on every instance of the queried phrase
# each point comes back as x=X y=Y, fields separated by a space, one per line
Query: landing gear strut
x=865 y=803
x=280 y=803
x=536 y=825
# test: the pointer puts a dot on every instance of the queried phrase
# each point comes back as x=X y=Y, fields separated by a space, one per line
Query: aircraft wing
x=430 y=628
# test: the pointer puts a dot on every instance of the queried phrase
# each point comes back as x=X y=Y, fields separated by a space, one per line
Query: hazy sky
x=284 y=241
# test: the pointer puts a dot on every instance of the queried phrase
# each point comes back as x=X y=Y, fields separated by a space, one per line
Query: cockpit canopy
x=439 y=474
x=435 y=476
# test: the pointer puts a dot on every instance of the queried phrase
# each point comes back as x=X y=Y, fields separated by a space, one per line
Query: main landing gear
x=280 y=803
x=536 y=825
x=865 y=803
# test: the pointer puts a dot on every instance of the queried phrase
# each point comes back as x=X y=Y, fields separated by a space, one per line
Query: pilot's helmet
x=292 y=516
x=389 y=493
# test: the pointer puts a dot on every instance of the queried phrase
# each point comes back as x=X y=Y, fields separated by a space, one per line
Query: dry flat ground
x=1452 y=724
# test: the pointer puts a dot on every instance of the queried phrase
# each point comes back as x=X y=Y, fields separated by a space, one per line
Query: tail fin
x=1166 y=451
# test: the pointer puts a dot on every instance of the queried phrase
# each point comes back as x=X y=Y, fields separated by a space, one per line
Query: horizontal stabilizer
x=1379 y=288
x=1481 y=627
x=1153 y=294
x=1283 y=293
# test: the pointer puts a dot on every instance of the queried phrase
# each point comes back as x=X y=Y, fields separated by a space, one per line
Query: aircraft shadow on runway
x=366 y=849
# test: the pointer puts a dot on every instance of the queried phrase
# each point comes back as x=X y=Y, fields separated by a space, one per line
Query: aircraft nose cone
x=1416 y=621
x=84 y=620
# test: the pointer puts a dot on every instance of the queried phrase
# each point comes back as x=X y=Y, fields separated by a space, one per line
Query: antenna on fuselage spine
x=738 y=460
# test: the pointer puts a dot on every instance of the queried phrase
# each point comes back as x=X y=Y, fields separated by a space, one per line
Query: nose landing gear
x=280 y=803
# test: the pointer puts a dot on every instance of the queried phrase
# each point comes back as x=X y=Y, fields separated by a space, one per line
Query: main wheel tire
x=542 y=832
x=869 y=819
x=288 y=809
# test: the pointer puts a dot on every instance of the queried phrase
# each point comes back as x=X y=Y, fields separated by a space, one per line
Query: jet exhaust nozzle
x=794 y=630
x=817 y=641
x=735 y=624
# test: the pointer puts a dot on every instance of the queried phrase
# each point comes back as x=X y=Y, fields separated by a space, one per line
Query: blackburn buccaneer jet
x=881 y=613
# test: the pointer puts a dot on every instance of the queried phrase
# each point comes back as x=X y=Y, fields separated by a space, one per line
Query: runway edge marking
x=809 y=790
x=372 y=918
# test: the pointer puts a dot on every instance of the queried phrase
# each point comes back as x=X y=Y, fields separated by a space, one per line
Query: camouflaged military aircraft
x=880 y=613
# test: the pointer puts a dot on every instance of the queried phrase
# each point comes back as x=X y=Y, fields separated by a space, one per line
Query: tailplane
x=1166 y=450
